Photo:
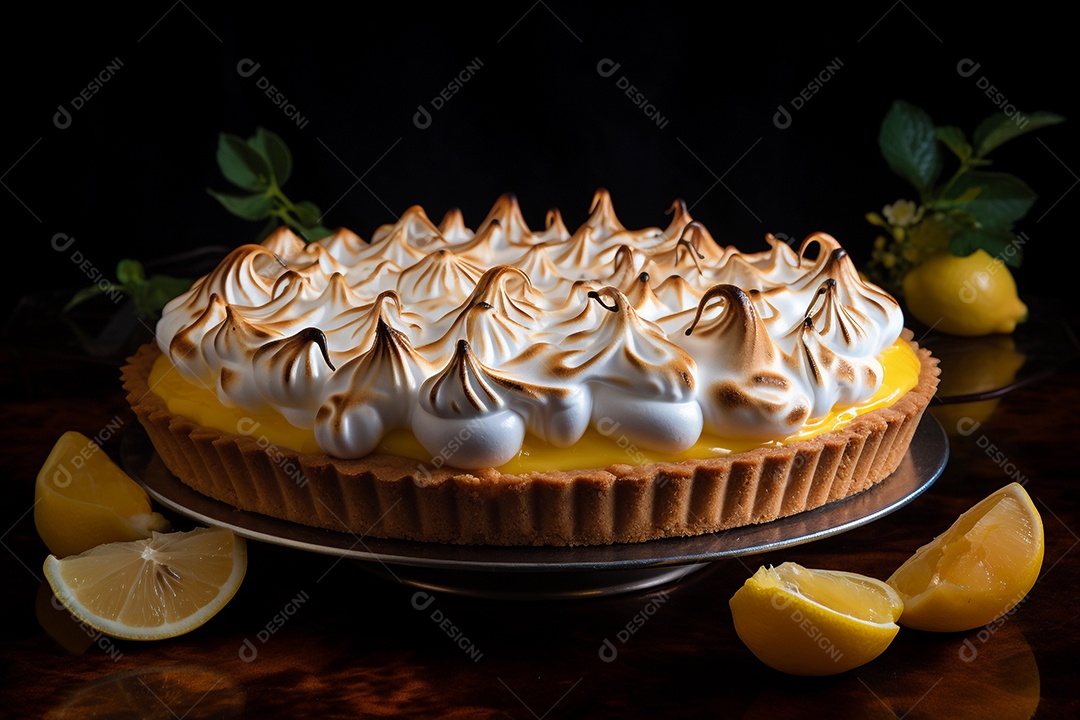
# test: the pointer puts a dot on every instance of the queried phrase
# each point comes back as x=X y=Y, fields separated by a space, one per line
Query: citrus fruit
x=151 y=589
x=814 y=622
x=977 y=570
x=970 y=296
x=83 y=499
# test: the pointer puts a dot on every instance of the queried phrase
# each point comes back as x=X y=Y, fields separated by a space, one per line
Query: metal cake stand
x=530 y=573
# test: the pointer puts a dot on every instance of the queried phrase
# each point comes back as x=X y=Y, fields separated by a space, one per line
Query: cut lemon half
x=815 y=622
x=83 y=499
x=977 y=570
x=151 y=589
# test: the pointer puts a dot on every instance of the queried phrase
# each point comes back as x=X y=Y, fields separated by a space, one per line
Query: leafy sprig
x=962 y=205
x=148 y=293
x=261 y=165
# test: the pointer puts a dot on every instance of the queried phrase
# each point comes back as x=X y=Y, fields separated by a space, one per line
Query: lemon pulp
x=899 y=362
x=83 y=499
x=978 y=570
x=154 y=588
x=808 y=621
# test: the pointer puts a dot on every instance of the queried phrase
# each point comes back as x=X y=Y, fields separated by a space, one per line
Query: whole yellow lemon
x=970 y=296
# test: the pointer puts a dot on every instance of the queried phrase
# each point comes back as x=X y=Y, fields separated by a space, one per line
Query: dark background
x=128 y=176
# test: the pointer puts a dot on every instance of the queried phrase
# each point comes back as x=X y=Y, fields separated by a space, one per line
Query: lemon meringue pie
x=512 y=386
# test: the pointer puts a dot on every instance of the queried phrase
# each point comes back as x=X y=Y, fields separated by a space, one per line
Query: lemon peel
x=83 y=499
x=976 y=571
x=968 y=296
x=154 y=588
x=814 y=622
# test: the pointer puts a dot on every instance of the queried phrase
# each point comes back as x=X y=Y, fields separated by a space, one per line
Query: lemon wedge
x=83 y=499
x=151 y=589
x=805 y=621
x=977 y=570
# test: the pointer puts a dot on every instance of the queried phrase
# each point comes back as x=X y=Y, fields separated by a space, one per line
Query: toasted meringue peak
x=737 y=330
x=537 y=265
x=414 y=225
x=694 y=240
x=289 y=371
x=344 y=246
x=452 y=227
x=373 y=393
x=284 y=243
x=841 y=327
x=229 y=349
x=602 y=219
x=462 y=388
x=507 y=213
x=627 y=268
x=554 y=228
x=660 y=332
x=185 y=347
x=494 y=337
x=681 y=255
x=246 y=276
x=440 y=274
x=628 y=352
x=510 y=292
x=680 y=219
x=358 y=327
x=578 y=251
x=646 y=304
x=489 y=243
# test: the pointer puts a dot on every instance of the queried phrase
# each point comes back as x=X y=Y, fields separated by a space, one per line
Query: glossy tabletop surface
x=312 y=634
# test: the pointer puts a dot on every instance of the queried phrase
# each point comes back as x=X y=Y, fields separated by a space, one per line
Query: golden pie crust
x=388 y=496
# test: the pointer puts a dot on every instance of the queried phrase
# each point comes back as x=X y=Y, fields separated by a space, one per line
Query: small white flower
x=902 y=213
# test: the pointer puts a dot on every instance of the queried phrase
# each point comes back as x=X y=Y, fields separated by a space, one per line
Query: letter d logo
x=607 y=67
x=62 y=118
x=247 y=67
x=422 y=601
x=965 y=426
x=782 y=118
x=967 y=67
x=62 y=477
x=422 y=118
x=248 y=652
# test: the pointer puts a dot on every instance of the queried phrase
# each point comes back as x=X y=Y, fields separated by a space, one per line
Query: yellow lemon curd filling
x=599 y=447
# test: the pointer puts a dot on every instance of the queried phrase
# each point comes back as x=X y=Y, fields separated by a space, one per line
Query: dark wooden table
x=311 y=636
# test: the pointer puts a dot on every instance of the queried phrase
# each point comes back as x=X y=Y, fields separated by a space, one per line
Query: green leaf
x=999 y=128
x=908 y=142
x=88 y=293
x=305 y=220
x=241 y=164
x=954 y=139
x=957 y=202
x=308 y=213
x=273 y=150
x=248 y=207
x=130 y=272
x=1002 y=198
x=317 y=232
x=1002 y=245
x=157 y=291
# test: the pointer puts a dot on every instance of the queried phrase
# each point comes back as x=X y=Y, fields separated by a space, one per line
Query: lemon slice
x=977 y=570
x=151 y=589
x=82 y=499
x=815 y=622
